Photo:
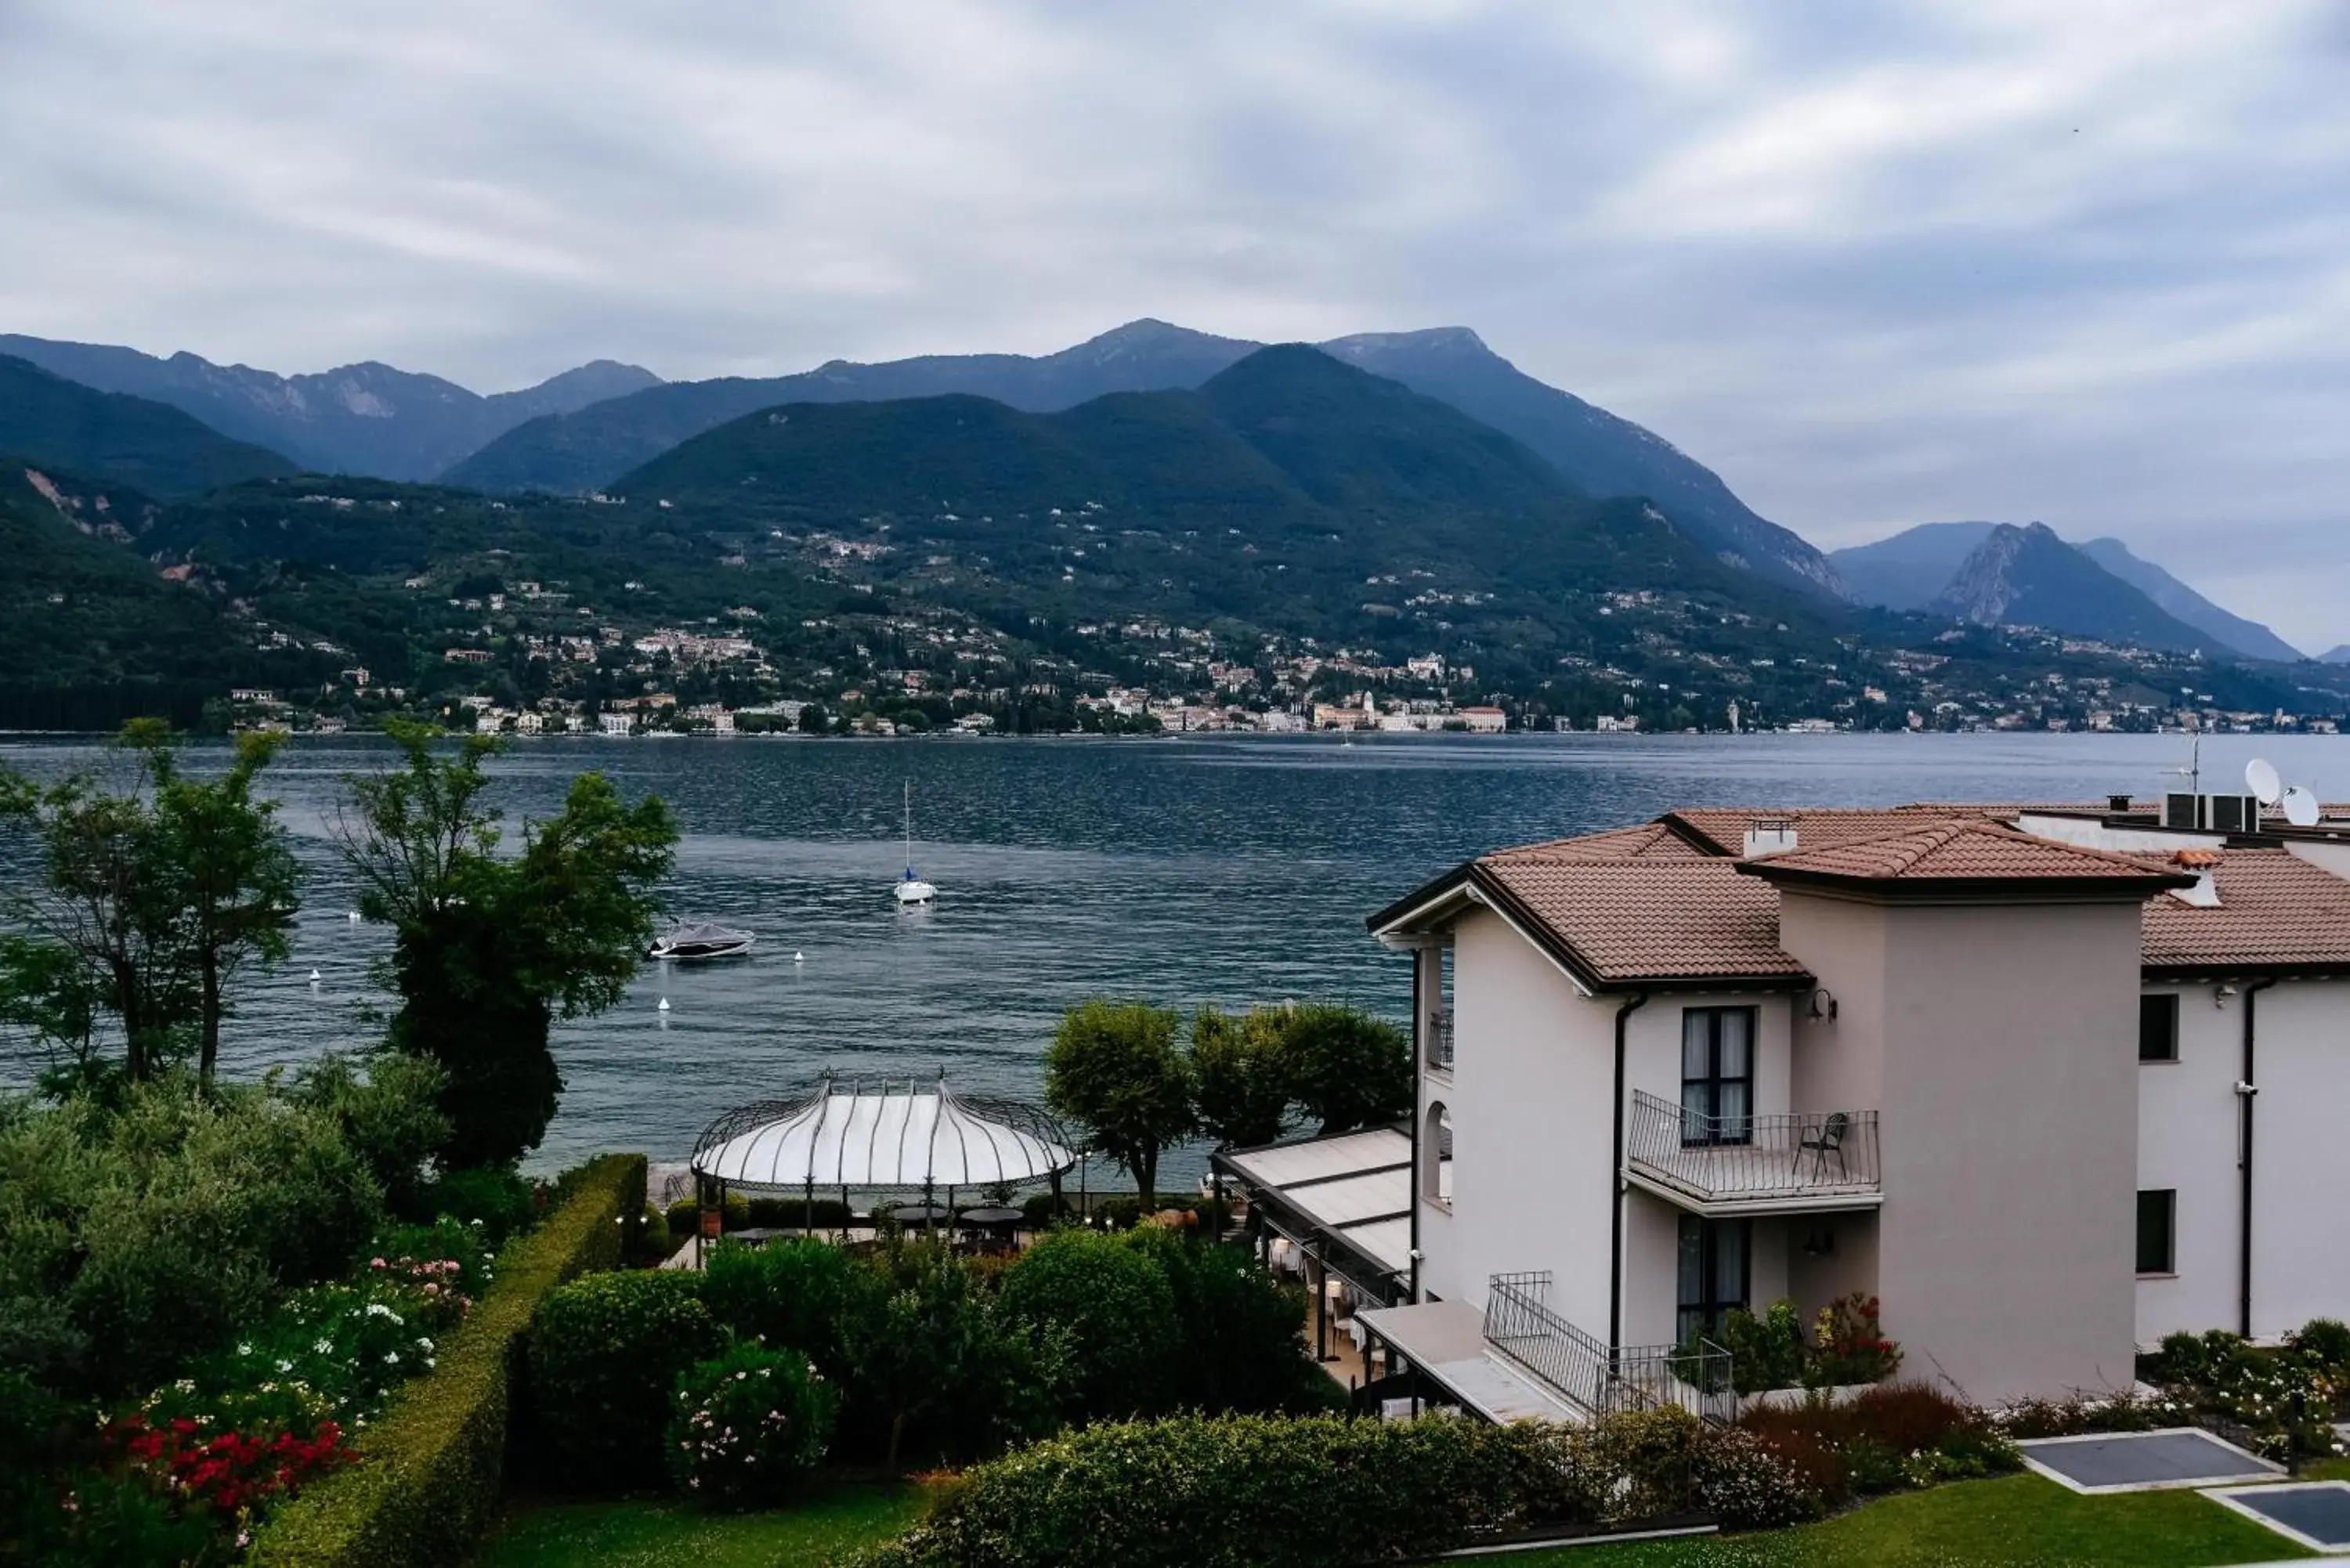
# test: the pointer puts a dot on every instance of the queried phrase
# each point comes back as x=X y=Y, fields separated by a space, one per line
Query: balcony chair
x=1828 y=1140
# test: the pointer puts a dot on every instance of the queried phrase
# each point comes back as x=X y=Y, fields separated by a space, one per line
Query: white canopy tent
x=889 y=1138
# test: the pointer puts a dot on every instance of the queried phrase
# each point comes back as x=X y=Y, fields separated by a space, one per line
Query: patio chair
x=1828 y=1140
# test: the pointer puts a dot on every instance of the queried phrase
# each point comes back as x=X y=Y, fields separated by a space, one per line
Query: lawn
x=2011 y=1522
x=659 y=1534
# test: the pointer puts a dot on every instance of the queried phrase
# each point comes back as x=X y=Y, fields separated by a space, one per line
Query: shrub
x=2080 y=1413
x=1889 y=1436
x=1219 y=1494
x=1850 y=1345
x=2325 y=1343
x=502 y=1200
x=788 y=1294
x=684 y=1217
x=797 y=1213
x=605 y=1353
x=432 y=1471
x=1241 y=1346
x=1749 y=1484
x=749 y=1426
x=1765 y=1352
x=1118 y=1310
x=654 y=1246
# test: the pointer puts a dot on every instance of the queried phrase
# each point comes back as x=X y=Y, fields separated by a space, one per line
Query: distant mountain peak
x=1435 y=339
x=2023 y=574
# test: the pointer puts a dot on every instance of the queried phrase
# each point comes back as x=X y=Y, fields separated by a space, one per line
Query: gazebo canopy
x=888 y=1137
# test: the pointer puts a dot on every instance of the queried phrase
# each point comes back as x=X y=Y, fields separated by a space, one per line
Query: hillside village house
x=2052 y=1082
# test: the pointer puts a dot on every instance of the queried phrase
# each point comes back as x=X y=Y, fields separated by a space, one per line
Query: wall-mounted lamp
x=1820 y=1243
x=2219 y=997
x=1823 y=1003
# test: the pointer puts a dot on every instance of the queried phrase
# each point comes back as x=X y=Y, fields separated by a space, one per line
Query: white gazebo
x=898 y=1137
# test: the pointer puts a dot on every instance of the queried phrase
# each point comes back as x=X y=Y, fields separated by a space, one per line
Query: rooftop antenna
x=2193 y=771
x=2261 y=778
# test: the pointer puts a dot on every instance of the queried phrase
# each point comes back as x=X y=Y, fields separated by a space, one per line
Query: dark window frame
x=1713 y=1299
x=1710 y=1086
x=2158 y=1021
x=2157 y=1221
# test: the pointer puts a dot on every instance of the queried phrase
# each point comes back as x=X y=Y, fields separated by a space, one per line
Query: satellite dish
x=2301 y=807
x=2261 y=778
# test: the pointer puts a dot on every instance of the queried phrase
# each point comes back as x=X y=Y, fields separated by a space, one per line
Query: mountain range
x=124 y=439
x=367 y=419
x=1598 y=451
x=1992 y=572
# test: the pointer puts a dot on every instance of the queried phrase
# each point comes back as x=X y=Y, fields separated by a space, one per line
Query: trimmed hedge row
x=432 y=1466
x=1323 y=1491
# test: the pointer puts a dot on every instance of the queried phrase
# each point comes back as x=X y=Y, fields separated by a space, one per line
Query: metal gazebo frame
x=1027 y=1125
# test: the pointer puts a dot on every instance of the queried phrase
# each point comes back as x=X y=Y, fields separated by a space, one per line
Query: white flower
x=323 y=1347
x=245 y=1350
x=423 y=1343
x=284 y=1366
x=392 y=1358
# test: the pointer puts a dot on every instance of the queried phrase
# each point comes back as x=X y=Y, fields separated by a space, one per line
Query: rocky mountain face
x=2029 y=577
x=369 y=418
x=1601 y=453
x=110 y=437
x=1908 y=570
x=2233 y=632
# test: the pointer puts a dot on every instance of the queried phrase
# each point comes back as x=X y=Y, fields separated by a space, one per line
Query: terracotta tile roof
x=1724 y=829
x=1963 y=850
x=1625 y=920
x=2274 y=910
x=1649 y=841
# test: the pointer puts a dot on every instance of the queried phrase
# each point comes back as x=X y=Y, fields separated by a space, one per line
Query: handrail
x=1731 y=1158
x=1439 y=1037
x=1520 y=1328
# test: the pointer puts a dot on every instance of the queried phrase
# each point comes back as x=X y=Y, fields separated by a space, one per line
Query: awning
x=1350 y=1192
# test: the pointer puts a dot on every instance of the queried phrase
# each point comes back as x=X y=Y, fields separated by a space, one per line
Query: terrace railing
x=1520 y=1328
x=1439 y=1039
x=1753 y=1160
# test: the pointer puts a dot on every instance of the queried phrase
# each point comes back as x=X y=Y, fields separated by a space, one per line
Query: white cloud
x=1874 y=263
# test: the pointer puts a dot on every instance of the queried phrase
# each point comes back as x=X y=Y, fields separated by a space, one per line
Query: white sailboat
x=911 y=890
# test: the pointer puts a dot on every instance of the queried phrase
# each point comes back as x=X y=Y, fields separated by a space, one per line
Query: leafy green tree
x=231 y=870
x=1347 y=1068
x=1240 y=1076
x=151 y=896
x=489 y=949
x=1114 y=1304
x=1115 y=1067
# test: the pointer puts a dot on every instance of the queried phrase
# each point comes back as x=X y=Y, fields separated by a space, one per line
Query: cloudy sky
x=1876 y=262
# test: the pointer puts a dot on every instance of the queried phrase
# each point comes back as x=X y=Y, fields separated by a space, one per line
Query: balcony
x=1521 y=1329
x=1439 y=1045
x=1813 y=1161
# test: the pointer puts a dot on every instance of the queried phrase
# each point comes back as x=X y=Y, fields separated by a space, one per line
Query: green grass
x=2016 y=1521
x=659 y=1534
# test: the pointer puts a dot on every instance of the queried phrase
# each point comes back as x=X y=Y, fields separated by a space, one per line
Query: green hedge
x=433 y=1464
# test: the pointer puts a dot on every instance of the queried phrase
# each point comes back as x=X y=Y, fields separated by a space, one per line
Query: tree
x=1240 y=1074
x=1115 y=1067
x=1347 y=1068
x=234 y=874
x=150 y=898
x=488 y=950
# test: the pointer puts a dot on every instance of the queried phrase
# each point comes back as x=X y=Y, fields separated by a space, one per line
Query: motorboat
x=696 y=940
x=911 y=890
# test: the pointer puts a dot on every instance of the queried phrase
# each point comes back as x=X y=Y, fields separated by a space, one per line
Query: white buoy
x=799 y=958
x=354 y=916
x=313 y=977
x=664 y=1006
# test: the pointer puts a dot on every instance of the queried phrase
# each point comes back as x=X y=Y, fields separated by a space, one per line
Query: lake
x=1185 y=870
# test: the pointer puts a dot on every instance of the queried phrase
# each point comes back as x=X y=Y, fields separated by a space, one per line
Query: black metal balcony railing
x=1729 y=1159
x=1520 y=1328
x=1439 y=1039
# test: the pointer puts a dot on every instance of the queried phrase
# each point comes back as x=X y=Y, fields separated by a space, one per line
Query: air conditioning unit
x=2187 y=813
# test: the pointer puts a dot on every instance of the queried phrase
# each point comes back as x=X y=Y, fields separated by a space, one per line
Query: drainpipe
x=1632 y=1004
x=1419 y=1110
x=2247 y=1088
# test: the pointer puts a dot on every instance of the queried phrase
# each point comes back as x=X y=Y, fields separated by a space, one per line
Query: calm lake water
x=1226 y=870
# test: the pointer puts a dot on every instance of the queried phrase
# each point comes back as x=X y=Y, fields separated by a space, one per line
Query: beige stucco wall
x=2300 y=1166
x=2008 y=1141
x=1532 y=1129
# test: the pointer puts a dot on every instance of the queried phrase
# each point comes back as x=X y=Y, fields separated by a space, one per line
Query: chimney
x=2118 y=803
x=1769 y=835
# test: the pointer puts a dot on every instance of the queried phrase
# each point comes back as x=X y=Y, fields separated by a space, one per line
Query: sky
x=1876 y=264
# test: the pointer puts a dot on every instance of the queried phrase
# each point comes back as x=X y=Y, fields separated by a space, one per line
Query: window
x=2158 y=1231
x=1435 y=1156
x=2157 y=1027
x=1713 y=1272
x=1717 y=1074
